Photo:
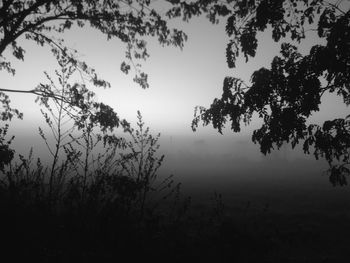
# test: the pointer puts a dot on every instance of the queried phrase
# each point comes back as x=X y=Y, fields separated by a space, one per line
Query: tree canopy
x=44 y=21
x=287 y=93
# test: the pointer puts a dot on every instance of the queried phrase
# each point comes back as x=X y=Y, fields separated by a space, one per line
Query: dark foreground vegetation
x=99 y=205
x=113 y=227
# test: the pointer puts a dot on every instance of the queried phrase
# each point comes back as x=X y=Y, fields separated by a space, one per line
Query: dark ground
x=286 y=225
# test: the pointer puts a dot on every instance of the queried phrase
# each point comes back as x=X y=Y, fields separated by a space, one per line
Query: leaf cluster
x=286 y=94
x=44 y=21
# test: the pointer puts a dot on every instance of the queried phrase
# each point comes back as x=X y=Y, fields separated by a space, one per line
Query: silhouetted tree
x=286 y=94
x=44 y=21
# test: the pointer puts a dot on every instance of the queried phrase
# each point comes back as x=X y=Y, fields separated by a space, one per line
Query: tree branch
x=38 y=93
x=23 y=14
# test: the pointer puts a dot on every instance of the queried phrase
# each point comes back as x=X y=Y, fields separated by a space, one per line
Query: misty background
x=204 y=161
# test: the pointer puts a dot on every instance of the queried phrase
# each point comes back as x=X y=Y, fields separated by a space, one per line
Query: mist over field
x=285 y=181
x=204 y=161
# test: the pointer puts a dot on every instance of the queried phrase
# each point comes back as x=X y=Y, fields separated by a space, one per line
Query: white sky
x=179 y=80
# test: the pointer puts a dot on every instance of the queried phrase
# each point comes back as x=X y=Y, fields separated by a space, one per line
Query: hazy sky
x=179 y=80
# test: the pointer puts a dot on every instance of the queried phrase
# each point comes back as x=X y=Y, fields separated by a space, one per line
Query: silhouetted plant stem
x=87 y=137
x=140 y=175
x=58 y=139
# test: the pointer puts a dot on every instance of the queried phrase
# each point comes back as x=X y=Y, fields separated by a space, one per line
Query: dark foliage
x=6 y=153
x=42 y=21
x=288 y=92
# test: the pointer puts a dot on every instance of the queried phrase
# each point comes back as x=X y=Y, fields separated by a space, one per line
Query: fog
x=204 y=161
x=286 y=180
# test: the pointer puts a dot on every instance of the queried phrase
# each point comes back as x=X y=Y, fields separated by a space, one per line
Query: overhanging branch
x=38 y=93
